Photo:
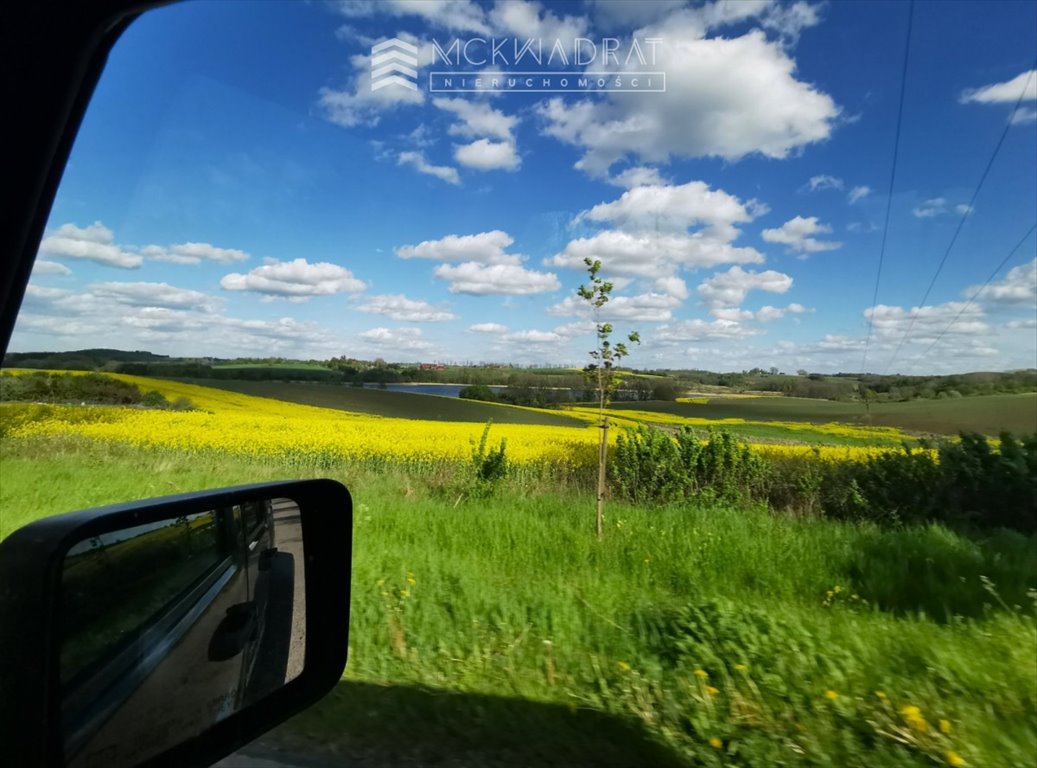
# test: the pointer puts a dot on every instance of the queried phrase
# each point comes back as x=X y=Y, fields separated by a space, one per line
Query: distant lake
x=446 y=390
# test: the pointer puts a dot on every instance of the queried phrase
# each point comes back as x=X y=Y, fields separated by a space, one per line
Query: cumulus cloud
x=193 y=253
x=484 y=248
x=703 y=330
x=477 y=119
x=767 y=314
x=658 y=230
x=399 y=307
x=1018 y=288
x=295 y=279
x=417 y=161
x=176 y=320
x=1007 y=92
x=94 y=243
x=796 y=234
x=44 y=267
x=638 y=176
x=480 y=279
x=726 y=97
x=926 y=323
x=486 y=155
x=645 y=307
x=399 y=339
x=154 y=295
x=495 y=328
x=729 y=289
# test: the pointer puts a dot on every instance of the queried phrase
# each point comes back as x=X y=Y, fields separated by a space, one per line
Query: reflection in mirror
x=172 y=626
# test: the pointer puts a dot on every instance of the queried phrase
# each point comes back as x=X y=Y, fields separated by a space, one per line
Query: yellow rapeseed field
x=264 y=428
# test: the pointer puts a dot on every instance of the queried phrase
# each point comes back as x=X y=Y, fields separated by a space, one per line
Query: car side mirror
x=172 y=631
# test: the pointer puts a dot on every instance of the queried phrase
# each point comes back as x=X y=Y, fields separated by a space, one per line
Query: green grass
x=383 y=402
x=523 y=641
x=987 y=414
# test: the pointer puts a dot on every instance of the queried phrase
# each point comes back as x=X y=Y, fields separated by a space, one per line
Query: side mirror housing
x=172 y=631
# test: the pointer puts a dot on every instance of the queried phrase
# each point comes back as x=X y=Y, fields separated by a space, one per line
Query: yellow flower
x=832 y=695
x=910 y=711
x=404 y=593
x=953 y=758
x=712 y=691
x=881 y=695
x=838 y=589
x=716 y=743
x=945 y=726
x=623 y=666
x=740 y=667
x=411 y=580
x=701 y=673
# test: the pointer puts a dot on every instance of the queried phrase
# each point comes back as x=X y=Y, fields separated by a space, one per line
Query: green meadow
x=986 y=414
x=500 y=632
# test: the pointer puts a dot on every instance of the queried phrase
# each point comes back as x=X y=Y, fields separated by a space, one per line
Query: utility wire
x=979 y=291
x=892 y=178
x=966 y=213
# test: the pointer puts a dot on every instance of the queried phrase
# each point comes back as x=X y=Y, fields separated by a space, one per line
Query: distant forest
x=641 y=385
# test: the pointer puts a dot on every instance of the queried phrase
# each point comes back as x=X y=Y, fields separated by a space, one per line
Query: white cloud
x=824 y=181
x=1006 y=92
x=619 y=14
x=796 y=234
x=193 y=253
x=495 y=328
x=295 y=279
x=454 y=15
x=486 y=155
x=94 y=243
x=485 y=248
x=858 y=193
x=165 y=318
x=703 y=330
x=649 y=254
x=477 y=119
x=525 y=20
x=480 y=279
x=1024 y=115
x=44 y=267
x=645 y=307
x=926 y=323
x=726 y=97
x=676 y=208
x=638 y=176
x=1019 y=287
x=962 y=209
x=355 y=103
x=399 y=339
x=768 y=313
x=652 y=237
x=399 y=307
x=417 y=161
x=729 y=289
x=154 y=295
x=535 y=337
x=936 y=206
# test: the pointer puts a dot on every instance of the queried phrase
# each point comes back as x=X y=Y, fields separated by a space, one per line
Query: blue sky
x=238 y=188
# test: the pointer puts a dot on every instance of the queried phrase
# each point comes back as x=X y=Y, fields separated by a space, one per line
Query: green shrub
x=649 y=465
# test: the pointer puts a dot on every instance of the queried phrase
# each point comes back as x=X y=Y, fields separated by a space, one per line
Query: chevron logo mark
x=394 y=62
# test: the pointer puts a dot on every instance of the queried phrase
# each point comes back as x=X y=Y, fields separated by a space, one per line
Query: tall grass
x=693 y=634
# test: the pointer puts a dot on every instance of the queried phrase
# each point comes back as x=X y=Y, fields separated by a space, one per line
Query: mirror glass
x=172 y=626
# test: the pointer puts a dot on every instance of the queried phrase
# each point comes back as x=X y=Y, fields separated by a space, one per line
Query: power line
x=892 y=178
x=965 y=214
x=980 y=290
